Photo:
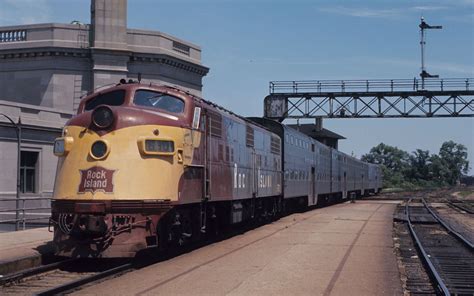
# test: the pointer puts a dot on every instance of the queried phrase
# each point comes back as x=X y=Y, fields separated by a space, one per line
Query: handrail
x=374 y=85
x=26 y=198
x=26 y=219
x=23 y=212
x=24 y=209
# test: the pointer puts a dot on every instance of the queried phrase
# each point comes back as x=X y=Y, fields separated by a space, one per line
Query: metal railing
x=376 y=85
x=26 y=212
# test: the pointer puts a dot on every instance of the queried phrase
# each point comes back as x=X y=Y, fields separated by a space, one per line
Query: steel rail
x=460 y=206
x=426 y=258
x=456 y=234
x=86 y=280
x=33 y=271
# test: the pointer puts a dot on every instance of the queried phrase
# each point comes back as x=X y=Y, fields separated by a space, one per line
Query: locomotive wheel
x=174 y=230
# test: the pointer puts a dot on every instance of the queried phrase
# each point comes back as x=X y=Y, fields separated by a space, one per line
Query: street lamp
x=18 y=137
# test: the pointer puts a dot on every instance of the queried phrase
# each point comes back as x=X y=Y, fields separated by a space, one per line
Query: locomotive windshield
x=158 y=100
x=113 y=98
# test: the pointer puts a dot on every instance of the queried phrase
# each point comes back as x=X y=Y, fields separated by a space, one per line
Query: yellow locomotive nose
x=113 y=165
x=110 y=183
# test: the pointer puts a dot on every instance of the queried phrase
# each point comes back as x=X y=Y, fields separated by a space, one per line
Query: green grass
x=466 y=192
x=392 y=189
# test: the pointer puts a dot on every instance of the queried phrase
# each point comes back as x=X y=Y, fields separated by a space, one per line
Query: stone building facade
x=45 y=70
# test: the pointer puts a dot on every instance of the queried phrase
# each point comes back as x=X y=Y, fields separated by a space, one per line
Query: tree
x=389 y=156
x=420 y=165
x=394 y=163
x=454 y=157
x=438 y=170
x=420 y=169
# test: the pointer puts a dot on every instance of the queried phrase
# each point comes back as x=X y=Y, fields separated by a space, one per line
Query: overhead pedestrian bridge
x=380 y=98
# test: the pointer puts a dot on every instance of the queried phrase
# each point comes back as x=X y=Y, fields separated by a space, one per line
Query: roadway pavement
x=346 y=249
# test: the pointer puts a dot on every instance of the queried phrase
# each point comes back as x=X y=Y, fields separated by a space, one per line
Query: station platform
x=345 y=249
x=23 y=249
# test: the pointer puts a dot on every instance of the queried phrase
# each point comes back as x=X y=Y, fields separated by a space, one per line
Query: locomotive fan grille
x=220 y=153
x=249 y=138
x=215 y=125
x=275 y=145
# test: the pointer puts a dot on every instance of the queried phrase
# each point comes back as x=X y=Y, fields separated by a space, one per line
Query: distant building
x=319 y=133
x=467 y=180
x=45 y=69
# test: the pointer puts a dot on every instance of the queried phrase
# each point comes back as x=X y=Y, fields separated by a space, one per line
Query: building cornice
x=88 y=53
x=170 y=61
x=43 y=52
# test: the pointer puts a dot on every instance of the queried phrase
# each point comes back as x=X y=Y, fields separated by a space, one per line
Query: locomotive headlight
x=102 y=117
x=99 y=149
x=62 y=145
x=154 y=146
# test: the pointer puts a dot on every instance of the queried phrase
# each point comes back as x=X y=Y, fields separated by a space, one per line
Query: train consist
x=144 y=165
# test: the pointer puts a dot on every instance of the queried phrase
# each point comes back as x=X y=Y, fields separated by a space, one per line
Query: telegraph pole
x=424 y=74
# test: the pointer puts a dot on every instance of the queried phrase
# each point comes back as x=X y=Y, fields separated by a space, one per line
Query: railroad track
x=465 y=206
x=59 y=277
x=73 y=274
x=448 y=256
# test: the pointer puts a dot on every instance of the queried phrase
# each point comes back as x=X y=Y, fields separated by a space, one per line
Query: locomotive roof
x=171 y=89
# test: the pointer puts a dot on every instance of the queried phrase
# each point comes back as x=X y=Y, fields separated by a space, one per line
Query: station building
x=45 y=70
x=320 y=134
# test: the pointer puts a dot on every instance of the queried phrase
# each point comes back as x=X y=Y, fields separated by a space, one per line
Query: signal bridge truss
x=398 y=98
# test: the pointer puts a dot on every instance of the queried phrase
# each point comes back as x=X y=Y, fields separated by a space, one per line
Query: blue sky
x=247 y=43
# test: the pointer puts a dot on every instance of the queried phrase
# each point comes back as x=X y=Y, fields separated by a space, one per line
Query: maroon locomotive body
x=144 y=165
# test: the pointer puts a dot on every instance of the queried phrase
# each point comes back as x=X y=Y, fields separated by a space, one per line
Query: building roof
x=310 y=130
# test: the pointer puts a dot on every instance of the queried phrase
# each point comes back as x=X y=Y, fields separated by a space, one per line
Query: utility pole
x=424 y=74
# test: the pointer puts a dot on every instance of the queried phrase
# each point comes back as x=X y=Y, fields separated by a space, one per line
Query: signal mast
x=424 y=74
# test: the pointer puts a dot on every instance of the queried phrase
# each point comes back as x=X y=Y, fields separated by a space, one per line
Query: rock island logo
x=96 y=179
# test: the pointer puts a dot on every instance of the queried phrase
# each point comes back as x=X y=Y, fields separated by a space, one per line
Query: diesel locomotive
x=154 y=166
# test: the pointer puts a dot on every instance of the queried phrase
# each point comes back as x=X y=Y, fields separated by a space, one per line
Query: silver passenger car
x=319 y=174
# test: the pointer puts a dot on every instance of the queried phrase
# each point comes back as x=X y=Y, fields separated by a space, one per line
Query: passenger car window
x=158 y=100
x=113 y=98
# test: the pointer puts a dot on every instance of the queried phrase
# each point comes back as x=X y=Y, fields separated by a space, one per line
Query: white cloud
x=363 y=12
x=389 y=13
x=282 y=61
x=429 y=8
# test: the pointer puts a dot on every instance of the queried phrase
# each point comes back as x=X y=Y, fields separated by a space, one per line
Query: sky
x=247 y=43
